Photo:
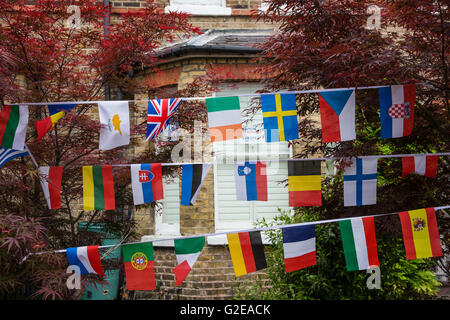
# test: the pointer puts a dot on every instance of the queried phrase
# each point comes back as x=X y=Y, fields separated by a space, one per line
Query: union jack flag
x=159 y=113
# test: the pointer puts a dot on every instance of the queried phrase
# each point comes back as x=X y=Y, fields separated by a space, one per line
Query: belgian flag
x=247 y=252
x=304 y=183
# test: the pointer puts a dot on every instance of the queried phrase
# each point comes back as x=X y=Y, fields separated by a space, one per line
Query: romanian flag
x=304 y=183
x=420 y=233
x=247 y=252
x=45 y=125
x=13 y=127
x=139 y=265
x=279 y=117
x=98 y=188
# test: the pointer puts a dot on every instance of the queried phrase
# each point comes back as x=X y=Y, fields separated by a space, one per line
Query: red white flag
x=51 y=185
x=422 y=164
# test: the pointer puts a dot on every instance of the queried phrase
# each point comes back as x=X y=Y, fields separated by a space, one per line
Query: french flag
x=397 y=110
x=299 y=245
x=337 y=115
x=422 y=164
x=146 y=183
x=86 y=258
x=251 y=181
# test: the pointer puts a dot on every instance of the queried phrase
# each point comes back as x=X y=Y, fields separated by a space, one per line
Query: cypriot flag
x=115 y=120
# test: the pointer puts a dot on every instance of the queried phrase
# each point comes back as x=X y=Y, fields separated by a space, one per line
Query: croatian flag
x=146 y=182
x=397 y=110
x=86 y=258
x=299 y=245
x=360 y=182
x=251 y=181
x=337 y=115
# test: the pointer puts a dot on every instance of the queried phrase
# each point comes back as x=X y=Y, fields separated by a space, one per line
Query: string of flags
x=280 y=119
x=419 y=230
x=251 y=181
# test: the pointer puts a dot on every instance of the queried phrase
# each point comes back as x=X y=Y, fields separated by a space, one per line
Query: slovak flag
x=251 y=181
x=86 y=258
x=397 y=110
x=146 y=183
x=337 y=115
x=159 y=113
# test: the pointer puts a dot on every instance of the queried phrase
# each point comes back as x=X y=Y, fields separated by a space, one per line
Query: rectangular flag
x=146 y=182
x=397 y=110
x=115 y=121
x=9 y=154
x=224 y=118
x=299 y=246
x=55 y=108
x=192 y=178
x=45 y=125
x=279 y=117
x=360 y=182
x=98 y=188
x=50 y=179
x=139 y=265
x=86 y=258
x=304 y=183
x=337 y=115
x=187 y=252
x=422 y=164
x=247 y=252
x=13 y=126
x=420 y=233
x=251 y=181
x=360 y=243
x=159 y=113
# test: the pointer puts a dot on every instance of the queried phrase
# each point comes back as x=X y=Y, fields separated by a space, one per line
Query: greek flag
x=9 y=154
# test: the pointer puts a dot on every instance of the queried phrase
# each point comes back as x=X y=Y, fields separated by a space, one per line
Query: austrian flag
x=159 y=113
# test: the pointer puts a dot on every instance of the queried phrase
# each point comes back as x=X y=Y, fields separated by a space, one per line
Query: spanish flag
x=304 y=183
x=247 y=252
x=45 y=125
x=420 y=233
x=98 y=188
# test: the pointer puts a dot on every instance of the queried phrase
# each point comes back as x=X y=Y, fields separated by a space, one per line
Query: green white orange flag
x=98 y=188
x=138 y=259
x=224 y=118
x=13 y=126
x=187 y=252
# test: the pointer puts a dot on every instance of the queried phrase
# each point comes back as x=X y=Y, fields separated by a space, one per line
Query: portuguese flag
x=98 y=188
x=13 y=127
x=138 y=259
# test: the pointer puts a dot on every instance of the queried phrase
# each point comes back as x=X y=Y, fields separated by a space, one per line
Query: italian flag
x=187 y=252
x=138 y=259
x=98 y=188
x=224 y=118
x=13 y=127
x=360 y=243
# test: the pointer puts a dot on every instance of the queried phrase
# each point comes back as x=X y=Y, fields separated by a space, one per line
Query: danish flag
x=159 y=113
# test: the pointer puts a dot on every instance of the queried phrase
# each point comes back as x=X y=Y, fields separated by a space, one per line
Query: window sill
x=165 y=243
x=199 y=10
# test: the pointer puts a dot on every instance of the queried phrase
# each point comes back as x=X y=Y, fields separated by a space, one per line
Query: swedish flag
x=279 y=117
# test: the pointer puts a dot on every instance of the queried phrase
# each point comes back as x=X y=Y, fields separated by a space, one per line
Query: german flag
x=247 y=252
x=304 y=183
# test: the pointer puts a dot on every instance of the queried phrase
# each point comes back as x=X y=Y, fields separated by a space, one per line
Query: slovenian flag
x=299 y=246
x=422 y=164
x=98 y=188
x=146 y=183
x=359 y=243
x=251 y=181
x=187 y=252
x=397 y=110
x=13 y=126
x=192 y=179
x=86 y=258
x=337 y=115
x=51 y=178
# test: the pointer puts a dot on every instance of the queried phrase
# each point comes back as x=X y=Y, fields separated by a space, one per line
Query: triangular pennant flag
x=86 y=258
x=422 y=164
x=51 y=178
x=360 y=182
x=279 y=117
x=187 y=252
x=192 y=178
x=247 y=252
x=146 y=183
x=115 y=120
x=299 y=247
x=45 y=125
x=13 y=126
x=251 y=181
x=98 y=188
x=138 y=259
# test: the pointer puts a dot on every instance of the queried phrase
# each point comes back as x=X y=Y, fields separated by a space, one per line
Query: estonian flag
x=192 y=179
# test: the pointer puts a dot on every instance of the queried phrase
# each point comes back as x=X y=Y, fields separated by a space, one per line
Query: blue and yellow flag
x=279 y=117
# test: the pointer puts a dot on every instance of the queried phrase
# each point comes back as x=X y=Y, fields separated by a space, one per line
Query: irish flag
x=420 y=233
x=360 y=243
x=224 y=118
x=98 y=188
x=138 y=259
x=13 y=127
x=187 y=252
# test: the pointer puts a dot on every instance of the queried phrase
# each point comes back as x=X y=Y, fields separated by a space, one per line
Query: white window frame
x=200 y=9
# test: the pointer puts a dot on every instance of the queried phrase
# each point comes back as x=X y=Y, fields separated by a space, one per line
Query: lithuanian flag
x=247 y=252
x=420 y=233
x=98 y=188
x=45 y=125
x=304 y=183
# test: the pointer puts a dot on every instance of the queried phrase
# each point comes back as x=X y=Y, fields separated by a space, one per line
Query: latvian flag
x=304 y=183
x=85 y=258
x=51 y=185
x=13 y=127
x=146 y=183
x=224 y=118
x=337 y=115
x=192 y=178
x=247 y=252
x=187 y=252
x=397 y=110
x=422 y=164
x=360 y=243
x=299 y=245
x=98 y=188
x=251 y=181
